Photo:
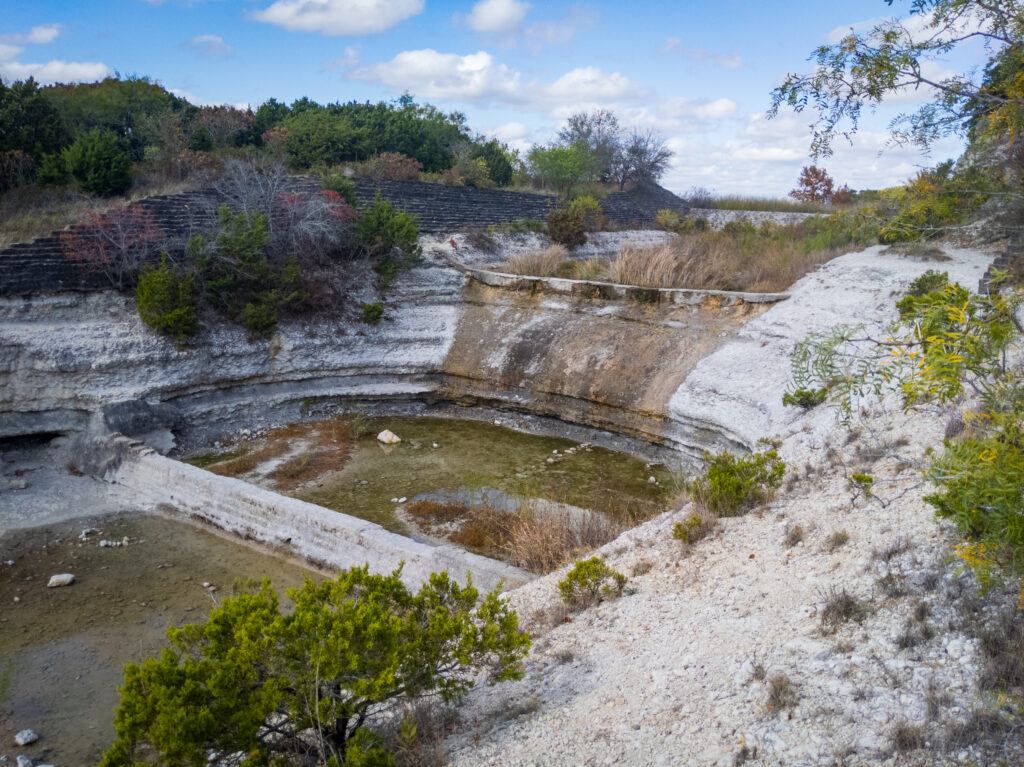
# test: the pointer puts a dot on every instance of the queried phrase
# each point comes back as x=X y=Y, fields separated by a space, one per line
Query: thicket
x=315 y=682
x=946 y=344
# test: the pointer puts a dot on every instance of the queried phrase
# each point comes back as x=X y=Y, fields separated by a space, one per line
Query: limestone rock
x=17 y=484
x=388 y=437
x=61 y=579
x=24 y=761
x=25 y=737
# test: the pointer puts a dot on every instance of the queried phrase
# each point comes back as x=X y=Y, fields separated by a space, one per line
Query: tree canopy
x=255 y=681
x=864 y=68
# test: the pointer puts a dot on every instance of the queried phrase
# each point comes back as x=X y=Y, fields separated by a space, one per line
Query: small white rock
x=388 y=437
x=394 y=500
x=17 y=484
x=652 y=481
x=206 y=584
x=436 y=445
x=403 y=499
x=24 y=761
x=25 y=737
x=61 y=579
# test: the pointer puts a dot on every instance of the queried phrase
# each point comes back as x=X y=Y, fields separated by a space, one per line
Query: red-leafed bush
x=116 y=243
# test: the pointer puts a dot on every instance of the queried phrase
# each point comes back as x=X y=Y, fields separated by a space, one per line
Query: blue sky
x=699 y=73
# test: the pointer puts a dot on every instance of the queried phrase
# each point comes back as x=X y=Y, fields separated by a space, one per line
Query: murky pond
x=62 y=650
x=341 y=465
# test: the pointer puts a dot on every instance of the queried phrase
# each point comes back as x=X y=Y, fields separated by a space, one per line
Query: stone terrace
x=40 y=266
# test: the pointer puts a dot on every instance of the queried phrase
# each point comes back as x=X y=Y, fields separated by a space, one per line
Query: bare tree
x=643 y=160
x=116 y=243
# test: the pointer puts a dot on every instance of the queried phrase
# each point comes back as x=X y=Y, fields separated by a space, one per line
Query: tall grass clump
x=742 y=256
x=538 y=263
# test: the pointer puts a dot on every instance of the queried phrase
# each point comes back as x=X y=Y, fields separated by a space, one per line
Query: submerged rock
x=60 y=579
x=388 y=437
x=25 y=737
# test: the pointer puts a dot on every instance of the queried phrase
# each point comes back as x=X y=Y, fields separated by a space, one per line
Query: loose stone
x=388 y=437
x=25 y=737
x=61 y=579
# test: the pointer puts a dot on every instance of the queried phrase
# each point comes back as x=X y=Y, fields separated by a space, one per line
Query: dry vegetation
x=537 y=540
x=538 y=263
x=327 y=445
x=716 y=261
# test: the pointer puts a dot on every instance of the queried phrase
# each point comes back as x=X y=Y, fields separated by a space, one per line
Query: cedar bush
x=100 y=163
x=732 y=484
x=589 y=581
x=567 y=227
x=166 y=301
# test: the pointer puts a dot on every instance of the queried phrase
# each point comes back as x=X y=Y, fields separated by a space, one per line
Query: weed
x=836 y=540
x=372 y=313
x=758 y=672
x=936 y=698
x=589 y=581
x=781 y=692
x=696 y=527
x=921 y=611
x=794 y=535
x=896 y=547
x=564 y=656
x=641 y=568
x=906 y=737
x=861 y=484
x=840 y=606
x=892 y=585
x=1002 y=650
x=805 y=398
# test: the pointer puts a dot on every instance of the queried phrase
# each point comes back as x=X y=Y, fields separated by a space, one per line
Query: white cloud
x=339 y=17
x=208 y=45
x=673 y=47
x=478 y=78
x=498 y=16
x=561 y=31
x=56 y=71
x=43 y=34
x=682 y=108
x=349 y=59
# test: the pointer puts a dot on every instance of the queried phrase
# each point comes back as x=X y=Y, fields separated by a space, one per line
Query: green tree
x=561 y=168
x=166 y=300
x=100 y=163
x=28 y=122
x=499 y=167
x=864 y=68
x=311 y=681
x=320 y=138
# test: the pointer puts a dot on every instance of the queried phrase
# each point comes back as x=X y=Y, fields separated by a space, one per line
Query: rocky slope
x=682 y=669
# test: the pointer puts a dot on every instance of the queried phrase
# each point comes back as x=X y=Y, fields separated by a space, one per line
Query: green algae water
x=466 y=460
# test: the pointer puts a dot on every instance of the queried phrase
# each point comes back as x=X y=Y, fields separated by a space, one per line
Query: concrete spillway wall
x=312 y=533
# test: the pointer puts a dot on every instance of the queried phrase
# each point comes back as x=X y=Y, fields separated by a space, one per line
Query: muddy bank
x=64 y=649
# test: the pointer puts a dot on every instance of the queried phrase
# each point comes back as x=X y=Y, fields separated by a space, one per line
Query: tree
x=600 y=131
x=116 y=243
x=226 y=125
x=255 y=681
x=561 y=168
x=643 y=160
x=814 y=185
x=28 y=122
x=100 y=163
x=863 y=69
x=320 y=138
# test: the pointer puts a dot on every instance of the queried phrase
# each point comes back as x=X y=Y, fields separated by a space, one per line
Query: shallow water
x=473 y=459
x=62 y=650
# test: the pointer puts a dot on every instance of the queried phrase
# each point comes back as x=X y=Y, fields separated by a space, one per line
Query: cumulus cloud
x=673 y=47
x=208 y=45
x=56 y=71
x=478 y=78
x=502 y=17
x=339 y=17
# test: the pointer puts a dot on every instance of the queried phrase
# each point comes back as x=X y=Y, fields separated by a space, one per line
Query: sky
x=699 y=73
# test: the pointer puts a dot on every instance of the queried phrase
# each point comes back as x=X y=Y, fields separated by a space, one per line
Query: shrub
x=668 y=220
x=694 y=528
x=320 y=138
x=53 y=171
x=732 y=484
x=805 y=398
x=373 y=313
x=16 y=169
x=781 y=693
x=116 y=243
x=356 y=645
x=165 y=298
x=389 y=166
x=345 y=188
x=589 y=210
x=567 y=228
x=100 y=163
x=381 y=229
x=840 y=606
x=589 y=581
x=260 y=316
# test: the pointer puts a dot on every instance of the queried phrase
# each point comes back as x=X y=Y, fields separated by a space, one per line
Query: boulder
x=61 y=579
x=388 y=437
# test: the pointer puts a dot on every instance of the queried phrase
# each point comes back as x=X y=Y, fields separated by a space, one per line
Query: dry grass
x=328 y=445
x=717 y=261
x=537 y=540
x=781 y=693
x=768 y=204
x=537 y=263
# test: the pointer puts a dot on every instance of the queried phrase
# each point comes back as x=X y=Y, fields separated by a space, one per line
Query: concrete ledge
x=323 y=537
x=610 y=291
